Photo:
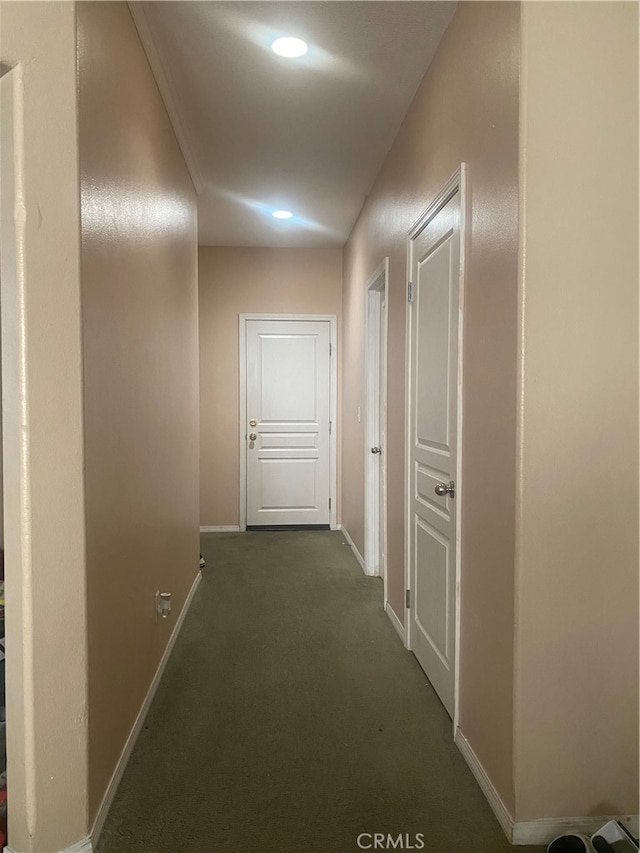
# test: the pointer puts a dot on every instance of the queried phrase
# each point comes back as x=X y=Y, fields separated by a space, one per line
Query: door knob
x=376 y=450
x=252 y=436
x=444 y=489
x=253 y=422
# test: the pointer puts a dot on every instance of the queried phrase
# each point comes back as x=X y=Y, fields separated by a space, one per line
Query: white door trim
x=376 y=324
x=333 y=403
x=457 y=183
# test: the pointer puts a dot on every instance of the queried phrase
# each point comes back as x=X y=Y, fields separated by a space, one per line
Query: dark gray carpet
x=290 y=719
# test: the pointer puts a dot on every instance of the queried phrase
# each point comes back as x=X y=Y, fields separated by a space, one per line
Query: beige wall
x=574 y=747
x=235 y=281
x=42 y=352
x=466 y=109
x=139 y=298
x=576 y=741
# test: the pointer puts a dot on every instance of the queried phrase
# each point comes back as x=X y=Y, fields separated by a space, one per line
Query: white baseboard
x=397 y=624
x=544 y=830
x=137 y=727
x=534 y=832
x=356 y=553
x=486 y=785
x=220 y=528
x=84 y=846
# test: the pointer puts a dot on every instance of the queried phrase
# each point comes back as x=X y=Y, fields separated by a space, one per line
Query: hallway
x=291 y=719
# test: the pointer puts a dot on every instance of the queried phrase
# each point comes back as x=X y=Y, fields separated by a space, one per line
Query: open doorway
x=375 y=547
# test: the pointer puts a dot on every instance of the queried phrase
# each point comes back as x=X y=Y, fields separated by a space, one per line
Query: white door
x=435 y=272
x=287 y=408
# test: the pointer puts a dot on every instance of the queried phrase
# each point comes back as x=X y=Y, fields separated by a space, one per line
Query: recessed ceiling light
x=282 y=214
x=289 y=46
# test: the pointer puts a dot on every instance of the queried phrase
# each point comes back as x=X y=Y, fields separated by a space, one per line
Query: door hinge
x=330 y=427
x=329 y=503
x=330 y=350
x=410 y=291
x=408 y=599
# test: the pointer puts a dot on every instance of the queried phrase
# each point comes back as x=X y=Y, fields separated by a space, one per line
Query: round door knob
x=376 y=450
x=252 y=436
x=442 y=489
x=253 y=422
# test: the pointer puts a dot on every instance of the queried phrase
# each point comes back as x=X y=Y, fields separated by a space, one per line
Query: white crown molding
x=159 y=69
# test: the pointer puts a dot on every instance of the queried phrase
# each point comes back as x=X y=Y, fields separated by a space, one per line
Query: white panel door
x=435 y=271
x=287 y=446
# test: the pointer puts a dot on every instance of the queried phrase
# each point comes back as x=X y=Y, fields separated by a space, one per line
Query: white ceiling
x=261 y=132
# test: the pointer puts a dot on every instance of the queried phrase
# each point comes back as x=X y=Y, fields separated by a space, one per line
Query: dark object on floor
x=203 y=562
x=569 y=844
x=602 y=845
x=614 y=837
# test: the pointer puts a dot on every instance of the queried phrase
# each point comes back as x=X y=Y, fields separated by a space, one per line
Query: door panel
x=288 y=483
x=426 y=482
x=432 y=341
x=435 y=256
x=431 y=589
x=288 y=384
x=287 y=378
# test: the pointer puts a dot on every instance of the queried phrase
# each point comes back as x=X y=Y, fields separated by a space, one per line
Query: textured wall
x=139 y=299
x=42 y=354
x=466 y=109
x=577 y=581
x=232 y=282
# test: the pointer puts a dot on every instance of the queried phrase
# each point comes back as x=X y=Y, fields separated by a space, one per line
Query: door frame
x=333 y=403
x=376 y=338
x=457 y=183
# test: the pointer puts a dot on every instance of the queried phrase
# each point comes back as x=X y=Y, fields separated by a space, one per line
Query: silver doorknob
x=252 y=436
x=253 y=422
x=376 y=450
x=444 y=489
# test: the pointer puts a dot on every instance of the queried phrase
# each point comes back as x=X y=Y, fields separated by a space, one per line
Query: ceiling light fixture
x=290 y=47
x=282 y=214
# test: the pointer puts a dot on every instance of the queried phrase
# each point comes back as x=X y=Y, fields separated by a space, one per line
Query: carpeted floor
x=290 y=719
